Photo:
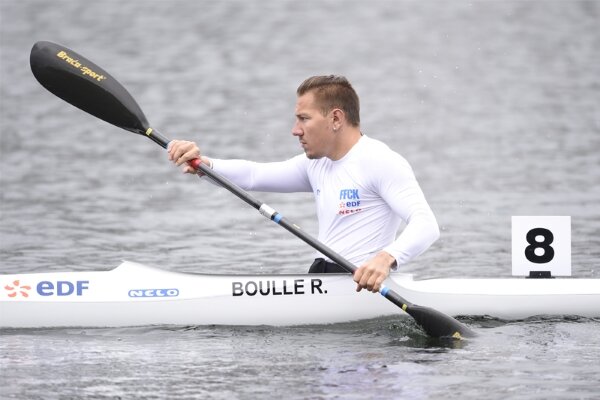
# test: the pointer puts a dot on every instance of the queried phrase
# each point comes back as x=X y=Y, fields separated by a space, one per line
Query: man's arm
x=283 y=177
x=401 y=191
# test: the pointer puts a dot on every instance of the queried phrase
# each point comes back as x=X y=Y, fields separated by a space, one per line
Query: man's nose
x=296 y=131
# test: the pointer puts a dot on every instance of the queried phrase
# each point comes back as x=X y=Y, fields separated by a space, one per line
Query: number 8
x=544 y=244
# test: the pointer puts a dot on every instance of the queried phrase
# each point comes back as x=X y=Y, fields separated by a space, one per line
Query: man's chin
x=312 y=156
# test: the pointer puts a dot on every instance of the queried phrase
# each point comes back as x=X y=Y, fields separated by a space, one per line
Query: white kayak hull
x=137 y=295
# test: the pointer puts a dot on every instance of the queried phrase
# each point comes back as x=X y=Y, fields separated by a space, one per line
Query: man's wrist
x=389 y=259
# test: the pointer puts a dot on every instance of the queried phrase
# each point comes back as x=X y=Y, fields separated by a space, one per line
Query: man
x=363 y=190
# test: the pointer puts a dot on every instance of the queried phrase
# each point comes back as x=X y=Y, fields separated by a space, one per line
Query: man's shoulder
x=376 y=150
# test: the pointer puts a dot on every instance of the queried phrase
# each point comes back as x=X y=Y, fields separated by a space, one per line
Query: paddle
x=85 y=85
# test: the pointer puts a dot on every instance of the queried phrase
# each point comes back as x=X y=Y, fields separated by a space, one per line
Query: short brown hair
x=332 y=91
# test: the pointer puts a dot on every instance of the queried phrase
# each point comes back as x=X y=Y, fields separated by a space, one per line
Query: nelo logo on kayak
x=154 y=293
x=278 y=288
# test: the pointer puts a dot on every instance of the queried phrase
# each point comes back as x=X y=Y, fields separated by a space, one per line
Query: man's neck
x=347 y=139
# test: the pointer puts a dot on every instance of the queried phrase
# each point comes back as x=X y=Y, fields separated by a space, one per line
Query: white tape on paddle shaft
x=267 y=211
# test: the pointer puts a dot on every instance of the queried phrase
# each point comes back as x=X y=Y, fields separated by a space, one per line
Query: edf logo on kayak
x=62 y=288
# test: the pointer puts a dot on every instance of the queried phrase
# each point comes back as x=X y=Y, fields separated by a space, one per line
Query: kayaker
x=363 y=189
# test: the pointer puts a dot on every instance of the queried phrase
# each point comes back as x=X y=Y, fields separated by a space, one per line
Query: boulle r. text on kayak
x=276 y=288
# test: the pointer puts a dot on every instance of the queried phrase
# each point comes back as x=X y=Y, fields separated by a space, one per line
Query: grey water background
x=495 y=105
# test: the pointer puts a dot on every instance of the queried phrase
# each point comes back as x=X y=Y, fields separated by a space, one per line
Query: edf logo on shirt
x=349 y=194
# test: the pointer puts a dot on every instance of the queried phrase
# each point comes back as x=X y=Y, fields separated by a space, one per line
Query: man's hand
x=181 y=151
x=372 y=273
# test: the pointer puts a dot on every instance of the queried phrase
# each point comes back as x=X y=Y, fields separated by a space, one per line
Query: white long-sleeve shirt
x=362 y=199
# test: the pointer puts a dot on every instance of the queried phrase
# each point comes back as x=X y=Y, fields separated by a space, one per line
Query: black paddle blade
x=80 y=82
x=437 y=324
x=434 y=323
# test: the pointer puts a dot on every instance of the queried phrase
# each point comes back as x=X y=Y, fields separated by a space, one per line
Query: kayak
x=138 y=295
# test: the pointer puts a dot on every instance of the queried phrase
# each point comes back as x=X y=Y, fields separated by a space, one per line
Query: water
x=495 y=104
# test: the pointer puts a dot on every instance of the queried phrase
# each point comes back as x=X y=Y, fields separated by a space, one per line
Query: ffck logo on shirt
x=350 y=202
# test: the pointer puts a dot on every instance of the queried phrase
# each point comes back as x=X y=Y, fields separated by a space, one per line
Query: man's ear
x=337 y=118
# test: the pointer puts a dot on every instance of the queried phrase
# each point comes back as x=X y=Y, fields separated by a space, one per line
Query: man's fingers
x=174 y=149
x=183 y=157
x=371 y=274
x=189 y=170
x=358 y=274
x=369 y=278
x=378 y=281
x=362 y=277
x=181 y=151
x=371 y=283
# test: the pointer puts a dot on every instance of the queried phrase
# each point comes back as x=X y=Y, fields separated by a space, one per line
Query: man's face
x=312 y=128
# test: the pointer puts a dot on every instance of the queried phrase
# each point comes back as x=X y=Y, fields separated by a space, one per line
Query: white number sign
x=541 y=243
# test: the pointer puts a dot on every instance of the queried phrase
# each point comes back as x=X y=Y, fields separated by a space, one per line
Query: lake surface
x=494 y=104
